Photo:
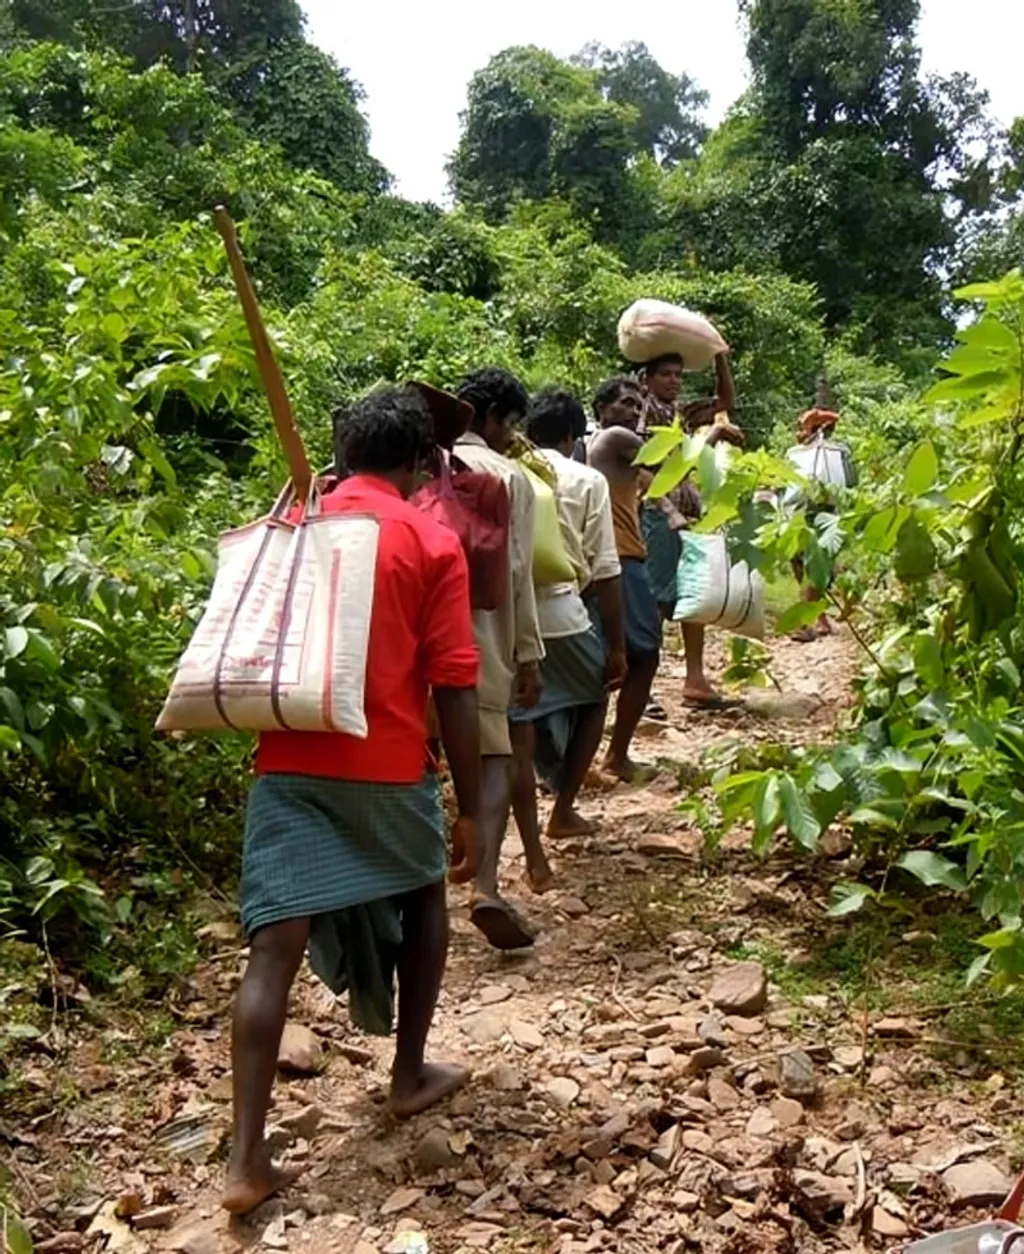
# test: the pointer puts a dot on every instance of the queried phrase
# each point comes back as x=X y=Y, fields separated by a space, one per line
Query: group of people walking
x=346 y=851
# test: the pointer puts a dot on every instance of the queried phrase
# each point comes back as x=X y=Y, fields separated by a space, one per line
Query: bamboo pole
x=270 y=372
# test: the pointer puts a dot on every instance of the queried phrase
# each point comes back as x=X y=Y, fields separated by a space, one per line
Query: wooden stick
x=270 y=372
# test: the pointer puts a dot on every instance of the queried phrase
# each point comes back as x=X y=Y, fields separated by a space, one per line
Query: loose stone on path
x=741 y=989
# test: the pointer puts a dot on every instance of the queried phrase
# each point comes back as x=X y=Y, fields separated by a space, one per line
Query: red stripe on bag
x=286 y=622
x=328 y=702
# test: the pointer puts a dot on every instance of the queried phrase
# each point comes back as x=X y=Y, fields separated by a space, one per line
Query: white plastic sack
x=651 y=328
x=283 y=641
x=825 y=461
x=713 y=590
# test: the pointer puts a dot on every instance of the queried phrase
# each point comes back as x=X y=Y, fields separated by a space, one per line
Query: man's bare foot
x=598 y=780
x=630 y=772
x=540 y=877
x=569 y=826
x=435 y=1081
x=249 y=1187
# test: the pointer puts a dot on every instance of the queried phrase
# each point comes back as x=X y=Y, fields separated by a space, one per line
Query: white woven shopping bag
x=283 y=642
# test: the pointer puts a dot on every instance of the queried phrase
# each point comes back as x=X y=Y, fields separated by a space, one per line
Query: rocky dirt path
x=636 y=1086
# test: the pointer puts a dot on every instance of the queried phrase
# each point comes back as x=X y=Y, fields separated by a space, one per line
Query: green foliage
x=667 y=107
x=536 y=128
x=929 y=781
x=299 y=98
x=811 y=224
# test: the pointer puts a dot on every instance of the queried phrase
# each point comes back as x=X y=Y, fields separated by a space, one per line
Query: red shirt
x=421 y=636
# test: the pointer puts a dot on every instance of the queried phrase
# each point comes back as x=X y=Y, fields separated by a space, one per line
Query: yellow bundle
x=551 y=562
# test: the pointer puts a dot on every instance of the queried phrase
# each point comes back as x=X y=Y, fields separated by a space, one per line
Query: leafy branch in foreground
x=930 y=777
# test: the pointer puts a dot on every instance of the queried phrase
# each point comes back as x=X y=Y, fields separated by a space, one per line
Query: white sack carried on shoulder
x=713 y=590
x=283 y=642
x=826 y=461
x=651 y=328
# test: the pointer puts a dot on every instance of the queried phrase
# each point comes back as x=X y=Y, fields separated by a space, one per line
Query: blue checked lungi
x=572 y=678
x=342 y=853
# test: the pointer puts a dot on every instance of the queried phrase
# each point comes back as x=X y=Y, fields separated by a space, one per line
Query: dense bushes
x=135 y=431
x=132 y=431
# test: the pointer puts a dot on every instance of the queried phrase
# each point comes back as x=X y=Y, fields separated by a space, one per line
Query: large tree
x=252 y=52
x=535 y=128
x=299 y=97
x=859 y=169
x=181 y=32
x=668 y=108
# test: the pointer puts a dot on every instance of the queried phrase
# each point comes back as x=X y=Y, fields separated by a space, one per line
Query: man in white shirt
x=509 y=640
x=560 y=735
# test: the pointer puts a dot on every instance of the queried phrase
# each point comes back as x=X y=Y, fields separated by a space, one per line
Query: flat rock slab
x=979 y=1183
x=741 y=989
x=526 y=1035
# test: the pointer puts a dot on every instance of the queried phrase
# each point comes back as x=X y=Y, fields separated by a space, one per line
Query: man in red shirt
x=344 y=839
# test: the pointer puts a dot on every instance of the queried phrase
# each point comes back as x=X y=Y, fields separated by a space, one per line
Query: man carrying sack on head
x=666 y=518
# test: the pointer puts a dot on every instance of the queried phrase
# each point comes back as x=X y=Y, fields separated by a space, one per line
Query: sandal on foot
x=713 y=701
x=500 y=925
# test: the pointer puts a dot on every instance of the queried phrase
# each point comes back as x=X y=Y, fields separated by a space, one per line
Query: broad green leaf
x=740 y=780
x=767 y=812
x=848 y=898
x=1002 y=939
x=884 y=527
x=798 y=615
x=17 y=1235
x=933 y=870
x=963 y=387
x=973 y=358
x=970 y=782
x=38 y=870
x=673 y=471
x=10 y=740
x=154 y=454
x=42 y=650
x=664 y=441
x=915 y=551
x=16 y=638
x=23 y=1031
x=922 y=470
x=989 y=332
x=827 y=778
x=978 y=968
x=798 y=813
x=870 y=816
x=11 y=702
x=928 y=660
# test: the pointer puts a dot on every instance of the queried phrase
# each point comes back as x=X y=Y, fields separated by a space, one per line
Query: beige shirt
x=585 y=515
x=509 y=635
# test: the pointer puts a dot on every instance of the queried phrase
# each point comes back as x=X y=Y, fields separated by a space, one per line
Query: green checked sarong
x=342 y=853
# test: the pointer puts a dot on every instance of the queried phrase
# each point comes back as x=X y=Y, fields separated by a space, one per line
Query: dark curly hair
x=493 y=387
x=389 y=429
x=610 y=390
x=554 y=417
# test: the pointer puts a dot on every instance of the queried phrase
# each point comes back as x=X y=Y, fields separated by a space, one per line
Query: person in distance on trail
x=345 y=847
x=617 y=407
x=562 y=732
x=509 y=639
x=664 y=519
x=820 y=420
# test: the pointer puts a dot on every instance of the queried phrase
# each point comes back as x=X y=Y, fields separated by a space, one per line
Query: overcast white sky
x=414 y=58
